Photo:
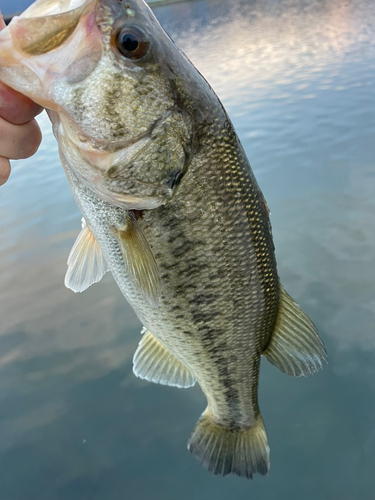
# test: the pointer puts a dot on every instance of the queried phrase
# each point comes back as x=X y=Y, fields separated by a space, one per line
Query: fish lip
x=41 y=8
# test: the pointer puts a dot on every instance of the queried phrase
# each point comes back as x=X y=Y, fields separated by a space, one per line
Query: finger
x=19 y=141
x=4 y=170
x=15 y=107
x=4 y=162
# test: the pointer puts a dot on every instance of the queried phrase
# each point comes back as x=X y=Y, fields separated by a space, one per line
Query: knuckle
x=30 y=140
x=15 y=107
x=4 y=170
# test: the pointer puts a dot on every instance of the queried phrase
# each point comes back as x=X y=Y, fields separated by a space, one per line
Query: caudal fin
x=223 y=450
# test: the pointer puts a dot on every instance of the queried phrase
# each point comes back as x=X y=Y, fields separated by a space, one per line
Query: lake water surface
x=297 y=78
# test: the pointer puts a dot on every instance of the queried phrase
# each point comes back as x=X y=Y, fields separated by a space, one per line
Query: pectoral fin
x=139 y=259
x=295 y=346
x=86 y=263
x=153 y=362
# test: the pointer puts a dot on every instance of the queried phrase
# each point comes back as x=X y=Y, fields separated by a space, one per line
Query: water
x=297 y=78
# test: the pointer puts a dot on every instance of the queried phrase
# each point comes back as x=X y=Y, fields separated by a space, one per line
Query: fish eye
x=131 y=43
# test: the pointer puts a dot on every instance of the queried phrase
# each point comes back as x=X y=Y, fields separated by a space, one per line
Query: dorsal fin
x=153 y=362
x=86 y=263
x=295 y=346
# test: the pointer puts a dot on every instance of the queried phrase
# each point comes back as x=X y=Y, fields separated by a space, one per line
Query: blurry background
x=297 y=79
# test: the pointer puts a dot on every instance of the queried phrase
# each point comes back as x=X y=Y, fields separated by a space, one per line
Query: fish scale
x=171 y=208
x=239 y=323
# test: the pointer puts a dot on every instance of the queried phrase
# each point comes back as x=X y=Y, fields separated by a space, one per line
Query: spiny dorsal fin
x=222 y=450
x=153 y=362
x=295 y=346
x=139 y=259
x=86 y=263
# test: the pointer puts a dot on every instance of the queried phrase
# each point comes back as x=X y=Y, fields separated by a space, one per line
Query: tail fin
x=224 y=450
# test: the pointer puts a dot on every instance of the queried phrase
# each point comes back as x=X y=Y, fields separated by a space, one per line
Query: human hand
x=20 y=134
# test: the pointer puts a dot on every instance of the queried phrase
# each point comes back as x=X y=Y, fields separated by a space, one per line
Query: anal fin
x=153 y=362
x=295 y=346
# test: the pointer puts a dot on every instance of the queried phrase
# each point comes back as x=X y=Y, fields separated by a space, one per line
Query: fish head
x=124 y=101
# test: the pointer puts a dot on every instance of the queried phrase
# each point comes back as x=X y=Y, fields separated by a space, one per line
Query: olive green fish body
x=171 y=208
x=215 y=254
x=219 y=287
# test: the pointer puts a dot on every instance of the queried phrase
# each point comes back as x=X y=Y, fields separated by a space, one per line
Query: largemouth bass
x=170 y=206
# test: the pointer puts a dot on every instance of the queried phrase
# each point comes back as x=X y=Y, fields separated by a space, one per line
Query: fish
x=170 y=207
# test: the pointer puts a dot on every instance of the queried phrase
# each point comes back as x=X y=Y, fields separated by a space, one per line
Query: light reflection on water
x=297 y=78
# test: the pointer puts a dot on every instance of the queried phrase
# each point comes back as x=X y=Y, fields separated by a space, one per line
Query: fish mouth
x=43 y=8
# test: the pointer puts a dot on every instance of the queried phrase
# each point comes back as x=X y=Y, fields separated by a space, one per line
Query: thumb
x=2 y=23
